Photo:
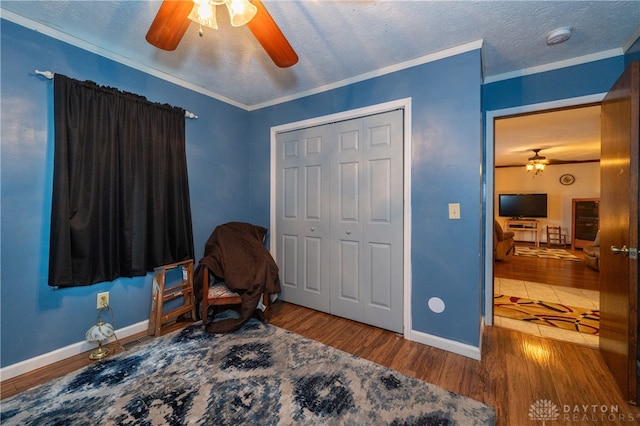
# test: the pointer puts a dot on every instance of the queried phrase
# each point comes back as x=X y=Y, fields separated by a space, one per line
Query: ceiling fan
x=173 y=19
x=541 y=158
x=537 y=162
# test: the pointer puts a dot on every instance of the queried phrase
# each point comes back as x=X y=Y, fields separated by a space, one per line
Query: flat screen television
x=522 y=205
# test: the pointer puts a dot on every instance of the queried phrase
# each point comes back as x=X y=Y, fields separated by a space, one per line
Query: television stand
x=524 y=225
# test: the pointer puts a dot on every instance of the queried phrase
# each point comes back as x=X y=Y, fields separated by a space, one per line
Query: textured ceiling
x=562 y=136
x=338 y=41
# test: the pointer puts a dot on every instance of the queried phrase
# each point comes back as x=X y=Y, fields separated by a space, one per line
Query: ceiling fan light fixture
x=240 y=11
x=204 y=13
x=174 y=18
x=536 y=163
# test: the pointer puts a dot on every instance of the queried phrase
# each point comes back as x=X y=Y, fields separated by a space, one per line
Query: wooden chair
x=555 y=236
x=218 y=295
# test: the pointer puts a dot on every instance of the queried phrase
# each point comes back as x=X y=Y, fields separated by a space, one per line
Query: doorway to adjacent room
x=569 y=287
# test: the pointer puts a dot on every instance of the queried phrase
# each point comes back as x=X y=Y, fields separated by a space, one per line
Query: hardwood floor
x=549 y=271
x=516 y=370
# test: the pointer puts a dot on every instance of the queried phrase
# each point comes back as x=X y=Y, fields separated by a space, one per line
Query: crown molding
x=606 y=54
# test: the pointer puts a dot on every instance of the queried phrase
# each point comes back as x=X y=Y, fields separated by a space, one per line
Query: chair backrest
x=554 y=230
x=555 y=235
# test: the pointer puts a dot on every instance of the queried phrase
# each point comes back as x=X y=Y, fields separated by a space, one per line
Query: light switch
x=454 y=210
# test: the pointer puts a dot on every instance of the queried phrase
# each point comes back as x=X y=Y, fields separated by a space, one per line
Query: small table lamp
x=99 y=332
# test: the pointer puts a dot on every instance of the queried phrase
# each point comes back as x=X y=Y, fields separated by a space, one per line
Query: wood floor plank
x=495 y=375
x=519 y=389
x=463 y=376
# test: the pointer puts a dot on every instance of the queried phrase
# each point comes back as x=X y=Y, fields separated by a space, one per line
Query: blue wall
x=578 y=80
x=35 y=318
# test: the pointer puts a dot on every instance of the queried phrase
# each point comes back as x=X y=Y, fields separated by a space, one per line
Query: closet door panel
x=302 y=218
x=382 y=221
x=346 y=213
x=313 y=264
x=380 y=272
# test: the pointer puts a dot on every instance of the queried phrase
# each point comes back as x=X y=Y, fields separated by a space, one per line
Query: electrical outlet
x=102 y=300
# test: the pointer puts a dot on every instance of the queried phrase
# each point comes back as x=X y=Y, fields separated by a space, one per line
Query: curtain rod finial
x=190 y=114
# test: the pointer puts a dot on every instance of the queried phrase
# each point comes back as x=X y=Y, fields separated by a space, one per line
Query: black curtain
x=120 y=190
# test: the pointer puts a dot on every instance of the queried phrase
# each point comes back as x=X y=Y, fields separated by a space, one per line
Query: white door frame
x=348 y=115
x=490 y=184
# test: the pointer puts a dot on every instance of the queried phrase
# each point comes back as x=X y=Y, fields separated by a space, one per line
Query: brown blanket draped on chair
x=235 y=252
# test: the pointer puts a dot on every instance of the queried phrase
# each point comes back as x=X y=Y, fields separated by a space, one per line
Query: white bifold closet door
x=339 y=218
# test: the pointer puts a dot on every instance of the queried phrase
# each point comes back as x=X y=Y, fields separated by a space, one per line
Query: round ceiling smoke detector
x=559 y=35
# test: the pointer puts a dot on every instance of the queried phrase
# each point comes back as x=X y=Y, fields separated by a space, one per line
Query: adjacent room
x=332 y=171
x=551 y=210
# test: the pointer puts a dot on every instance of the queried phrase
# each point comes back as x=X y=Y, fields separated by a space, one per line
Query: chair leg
x=204 y=310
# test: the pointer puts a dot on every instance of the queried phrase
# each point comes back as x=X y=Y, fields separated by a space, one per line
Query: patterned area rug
x=583 y=320
x=545 y=253
x=260 y=374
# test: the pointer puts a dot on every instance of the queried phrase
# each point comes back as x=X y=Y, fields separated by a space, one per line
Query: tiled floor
x=549 y=293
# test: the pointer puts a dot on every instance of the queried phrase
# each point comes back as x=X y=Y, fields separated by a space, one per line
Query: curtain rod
x=49 y=75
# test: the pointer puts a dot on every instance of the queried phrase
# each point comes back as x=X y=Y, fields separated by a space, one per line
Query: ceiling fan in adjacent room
x=174 y=17
x=537 y=163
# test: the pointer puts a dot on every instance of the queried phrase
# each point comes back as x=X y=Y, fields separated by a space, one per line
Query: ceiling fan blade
x=170 y=24
x=552 y=161
x=265 y=29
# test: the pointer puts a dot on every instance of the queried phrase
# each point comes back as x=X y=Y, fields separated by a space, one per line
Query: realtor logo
x=544 y=410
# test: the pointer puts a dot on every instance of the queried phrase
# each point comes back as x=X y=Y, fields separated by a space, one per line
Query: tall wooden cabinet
x=584 y=221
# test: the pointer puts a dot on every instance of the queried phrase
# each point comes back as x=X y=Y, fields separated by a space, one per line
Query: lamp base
x=99 y=353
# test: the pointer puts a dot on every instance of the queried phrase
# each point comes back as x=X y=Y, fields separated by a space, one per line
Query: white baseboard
x=445 y=344
x=31 y=364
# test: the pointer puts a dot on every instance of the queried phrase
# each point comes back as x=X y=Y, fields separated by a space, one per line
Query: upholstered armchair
x=592 y=253
x=502 y=242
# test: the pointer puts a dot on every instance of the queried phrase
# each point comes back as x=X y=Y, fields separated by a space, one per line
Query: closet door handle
x=348 y=231
x=313 y=229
